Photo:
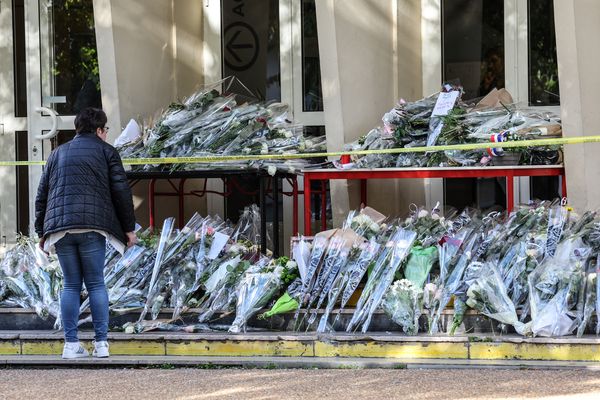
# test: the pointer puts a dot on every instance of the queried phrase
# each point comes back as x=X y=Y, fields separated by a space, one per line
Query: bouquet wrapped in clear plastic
x=555 y=290
x=395 y=252
x=214 y=122
x=591 y=284
x=487 y=294
x=258 y=287
x=31 y=280
x=403 y=303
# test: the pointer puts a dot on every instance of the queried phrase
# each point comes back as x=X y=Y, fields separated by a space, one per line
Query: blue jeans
x=81 y=257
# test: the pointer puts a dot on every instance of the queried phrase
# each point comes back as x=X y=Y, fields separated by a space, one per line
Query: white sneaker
x=100 y=349
x=74 y=350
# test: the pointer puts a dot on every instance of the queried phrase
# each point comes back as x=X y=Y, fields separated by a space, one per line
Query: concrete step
x=474 y=323
x=373 y=345
x=215 y=362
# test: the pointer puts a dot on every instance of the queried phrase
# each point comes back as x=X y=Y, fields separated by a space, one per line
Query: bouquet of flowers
x=213 y=122
x=258 y=287
x=31 y=280
x=591 y=298
x=488 y=295
x=414 y=124
x=395 y=252
x=555 y=287
x=403 y=302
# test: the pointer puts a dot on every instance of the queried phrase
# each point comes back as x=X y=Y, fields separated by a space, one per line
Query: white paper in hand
x=131 y=132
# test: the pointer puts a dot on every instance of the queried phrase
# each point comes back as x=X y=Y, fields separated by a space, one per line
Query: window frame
x=290 y=31
x=516 y=67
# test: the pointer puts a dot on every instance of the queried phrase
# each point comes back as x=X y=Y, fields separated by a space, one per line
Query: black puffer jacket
x=84 y=186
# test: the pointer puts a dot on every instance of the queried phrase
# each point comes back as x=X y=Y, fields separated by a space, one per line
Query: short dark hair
x=89 y=119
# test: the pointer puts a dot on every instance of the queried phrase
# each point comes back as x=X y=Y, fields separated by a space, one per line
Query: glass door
x=48 y=72
x=12 y=123
x=62 y=75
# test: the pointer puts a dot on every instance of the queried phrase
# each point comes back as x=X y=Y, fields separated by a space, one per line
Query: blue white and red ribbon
x=497 y=138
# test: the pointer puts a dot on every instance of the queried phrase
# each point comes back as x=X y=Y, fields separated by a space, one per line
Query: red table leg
x=294 y=206
x=510 y=193
x=323 y=205
x=307 y=201
x=363 y=192
x=151 y=202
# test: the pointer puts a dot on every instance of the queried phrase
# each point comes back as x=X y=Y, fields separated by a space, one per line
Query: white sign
x=219 y=242
x=445 y=103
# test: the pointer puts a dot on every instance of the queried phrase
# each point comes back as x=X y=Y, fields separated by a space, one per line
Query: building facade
x=340 y=64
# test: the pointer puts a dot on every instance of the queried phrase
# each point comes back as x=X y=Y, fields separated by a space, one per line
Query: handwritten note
x=445 y=103
x=219 y=242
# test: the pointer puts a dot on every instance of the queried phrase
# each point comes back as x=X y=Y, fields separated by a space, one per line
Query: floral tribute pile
x=534 y=270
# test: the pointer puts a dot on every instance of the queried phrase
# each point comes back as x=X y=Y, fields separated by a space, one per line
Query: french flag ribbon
x=497 y=138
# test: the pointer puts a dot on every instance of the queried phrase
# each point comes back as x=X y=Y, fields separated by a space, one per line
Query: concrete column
x=370 y=52
x=576 y=29
x=150 y=54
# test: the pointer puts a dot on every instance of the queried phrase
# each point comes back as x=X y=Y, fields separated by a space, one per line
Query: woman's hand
x=131 y=238
x=41 y=244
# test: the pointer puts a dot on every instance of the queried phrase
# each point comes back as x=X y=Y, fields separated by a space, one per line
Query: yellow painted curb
x=137 y=347
x=10 y=347
x=535 y=351
x=42 y=347
x=392 y=349
x=235 y=348
x=401 y=349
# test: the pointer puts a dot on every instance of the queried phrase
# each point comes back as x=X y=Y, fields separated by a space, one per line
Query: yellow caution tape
x=20 y=163
x=423 y=149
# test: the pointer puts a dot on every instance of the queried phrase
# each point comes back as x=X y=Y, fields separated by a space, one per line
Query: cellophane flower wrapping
x=488 y=295
x=590 y=302
x=555 y=288
x=395 y=252
x=31 y=280
x=419 y=264
x=213 y=122
x=256 y=290
x=403 y=303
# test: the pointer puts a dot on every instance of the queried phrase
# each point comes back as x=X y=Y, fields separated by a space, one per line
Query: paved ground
x=192 y=384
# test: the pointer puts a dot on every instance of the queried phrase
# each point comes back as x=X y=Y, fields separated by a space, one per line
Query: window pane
x=22 y=154
x=19 y=59
x=69 y=55
x=473 y=55
x=251 y=47
x=314 y=130
x=311 y=65
x=544 y=187
x=543 y=66
x=473 y=44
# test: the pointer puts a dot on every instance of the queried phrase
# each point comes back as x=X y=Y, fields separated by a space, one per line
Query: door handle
x=54 y=117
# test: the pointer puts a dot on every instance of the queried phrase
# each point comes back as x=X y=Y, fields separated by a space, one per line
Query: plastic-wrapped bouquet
x=394 y=253
x=259 y=286
x=212 y=121
x=403 y=302
x=488 y=295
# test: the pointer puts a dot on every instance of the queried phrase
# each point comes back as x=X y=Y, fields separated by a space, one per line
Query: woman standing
x=84 y=200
